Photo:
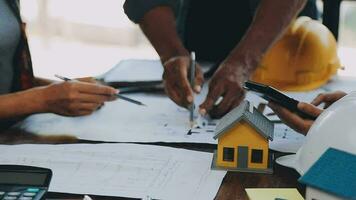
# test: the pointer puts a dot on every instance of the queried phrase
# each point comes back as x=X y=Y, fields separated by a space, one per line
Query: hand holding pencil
x=176 y=80
x=91 y=80
x=74 y=98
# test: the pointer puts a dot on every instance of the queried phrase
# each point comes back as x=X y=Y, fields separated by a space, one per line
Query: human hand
x=293 y=120
x=328 y=98
x=226 y=83
x=176 y=81
x=74 y=98
x=88 y=79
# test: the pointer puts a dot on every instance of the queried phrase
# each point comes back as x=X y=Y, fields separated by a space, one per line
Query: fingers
x=318 y=100
x=90 y=106
x=75 y=98
x=90 y=98
x=284 y=113
x=291 y=119
x=90 y=93
x=214 y=93
x=328 y=98
x=94 y=89
x=173 y=94
x=177 y=85
x=186 y=90
x=88 y=80
x=238 y=100
x=232 y=94
x=309 y=109
x=230 y=101
x=81 y=109
x=199 y=79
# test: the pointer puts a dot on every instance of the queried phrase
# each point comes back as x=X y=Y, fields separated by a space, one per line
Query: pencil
x=118 y=95
x=192 y=83
x=130 y=100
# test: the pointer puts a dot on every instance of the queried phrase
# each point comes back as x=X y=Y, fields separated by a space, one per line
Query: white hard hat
x=335 y=127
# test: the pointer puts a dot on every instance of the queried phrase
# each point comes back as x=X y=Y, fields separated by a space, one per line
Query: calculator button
x=9 y=198
x=29 y=194
x=13 y=193
x=2 y=193
x=35 y=190
x=25 y=198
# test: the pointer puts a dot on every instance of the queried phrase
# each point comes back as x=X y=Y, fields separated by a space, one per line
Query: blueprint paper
x=119 y=121
x=160 y=121
x=286 y=139
x=125 y=170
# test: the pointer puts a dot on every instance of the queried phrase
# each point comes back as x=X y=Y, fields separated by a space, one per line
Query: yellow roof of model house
x=251 y=115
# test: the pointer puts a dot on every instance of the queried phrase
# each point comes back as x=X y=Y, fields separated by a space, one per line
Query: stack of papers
x=125 y=170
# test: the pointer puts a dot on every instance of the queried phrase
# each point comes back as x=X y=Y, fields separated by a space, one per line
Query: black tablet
x=271 y=94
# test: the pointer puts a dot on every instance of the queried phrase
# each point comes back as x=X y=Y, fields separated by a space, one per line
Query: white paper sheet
x=126 y=170
x=286 y=139
x=135 y=70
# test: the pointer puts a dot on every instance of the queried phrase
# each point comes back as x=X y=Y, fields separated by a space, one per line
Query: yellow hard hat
x=305 y=58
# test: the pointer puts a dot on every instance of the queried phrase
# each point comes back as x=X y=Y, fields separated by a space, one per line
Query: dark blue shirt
x=9 y=40
x=212 y=28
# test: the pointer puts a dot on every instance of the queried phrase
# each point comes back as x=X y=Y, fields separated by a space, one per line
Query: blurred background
x=88 y=37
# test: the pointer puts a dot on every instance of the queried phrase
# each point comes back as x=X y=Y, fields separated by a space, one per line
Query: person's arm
x=20 y=104
x=38 y=81
x=328 y=98
x=270 y=22
x=42 y=81
x=293 y=120
x=64 y=98
x=303 y=125
x=160 y=28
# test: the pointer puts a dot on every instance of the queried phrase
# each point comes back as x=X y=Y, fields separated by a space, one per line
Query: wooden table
x=232 y=188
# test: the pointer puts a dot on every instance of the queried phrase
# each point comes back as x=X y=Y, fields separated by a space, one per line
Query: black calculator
x=19 y=182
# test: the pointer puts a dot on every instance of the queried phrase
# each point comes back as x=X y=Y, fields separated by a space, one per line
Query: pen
x=118 y=95
x=192 y=83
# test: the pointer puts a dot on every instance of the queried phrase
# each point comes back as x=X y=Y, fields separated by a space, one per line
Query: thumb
x=309 y=109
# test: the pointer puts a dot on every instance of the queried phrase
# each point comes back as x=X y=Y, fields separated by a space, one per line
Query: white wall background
x=87 y=37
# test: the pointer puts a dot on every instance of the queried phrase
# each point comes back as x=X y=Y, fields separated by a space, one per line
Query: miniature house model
x=332 y=177
x=243 y=136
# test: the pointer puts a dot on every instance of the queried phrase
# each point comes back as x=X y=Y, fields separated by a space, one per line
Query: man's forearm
x=270 y=22
x=160 y=28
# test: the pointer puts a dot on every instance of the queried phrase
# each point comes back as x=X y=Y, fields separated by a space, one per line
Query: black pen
x=118 y=95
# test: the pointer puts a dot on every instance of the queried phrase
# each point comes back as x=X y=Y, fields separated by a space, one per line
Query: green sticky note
x=273 y=194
